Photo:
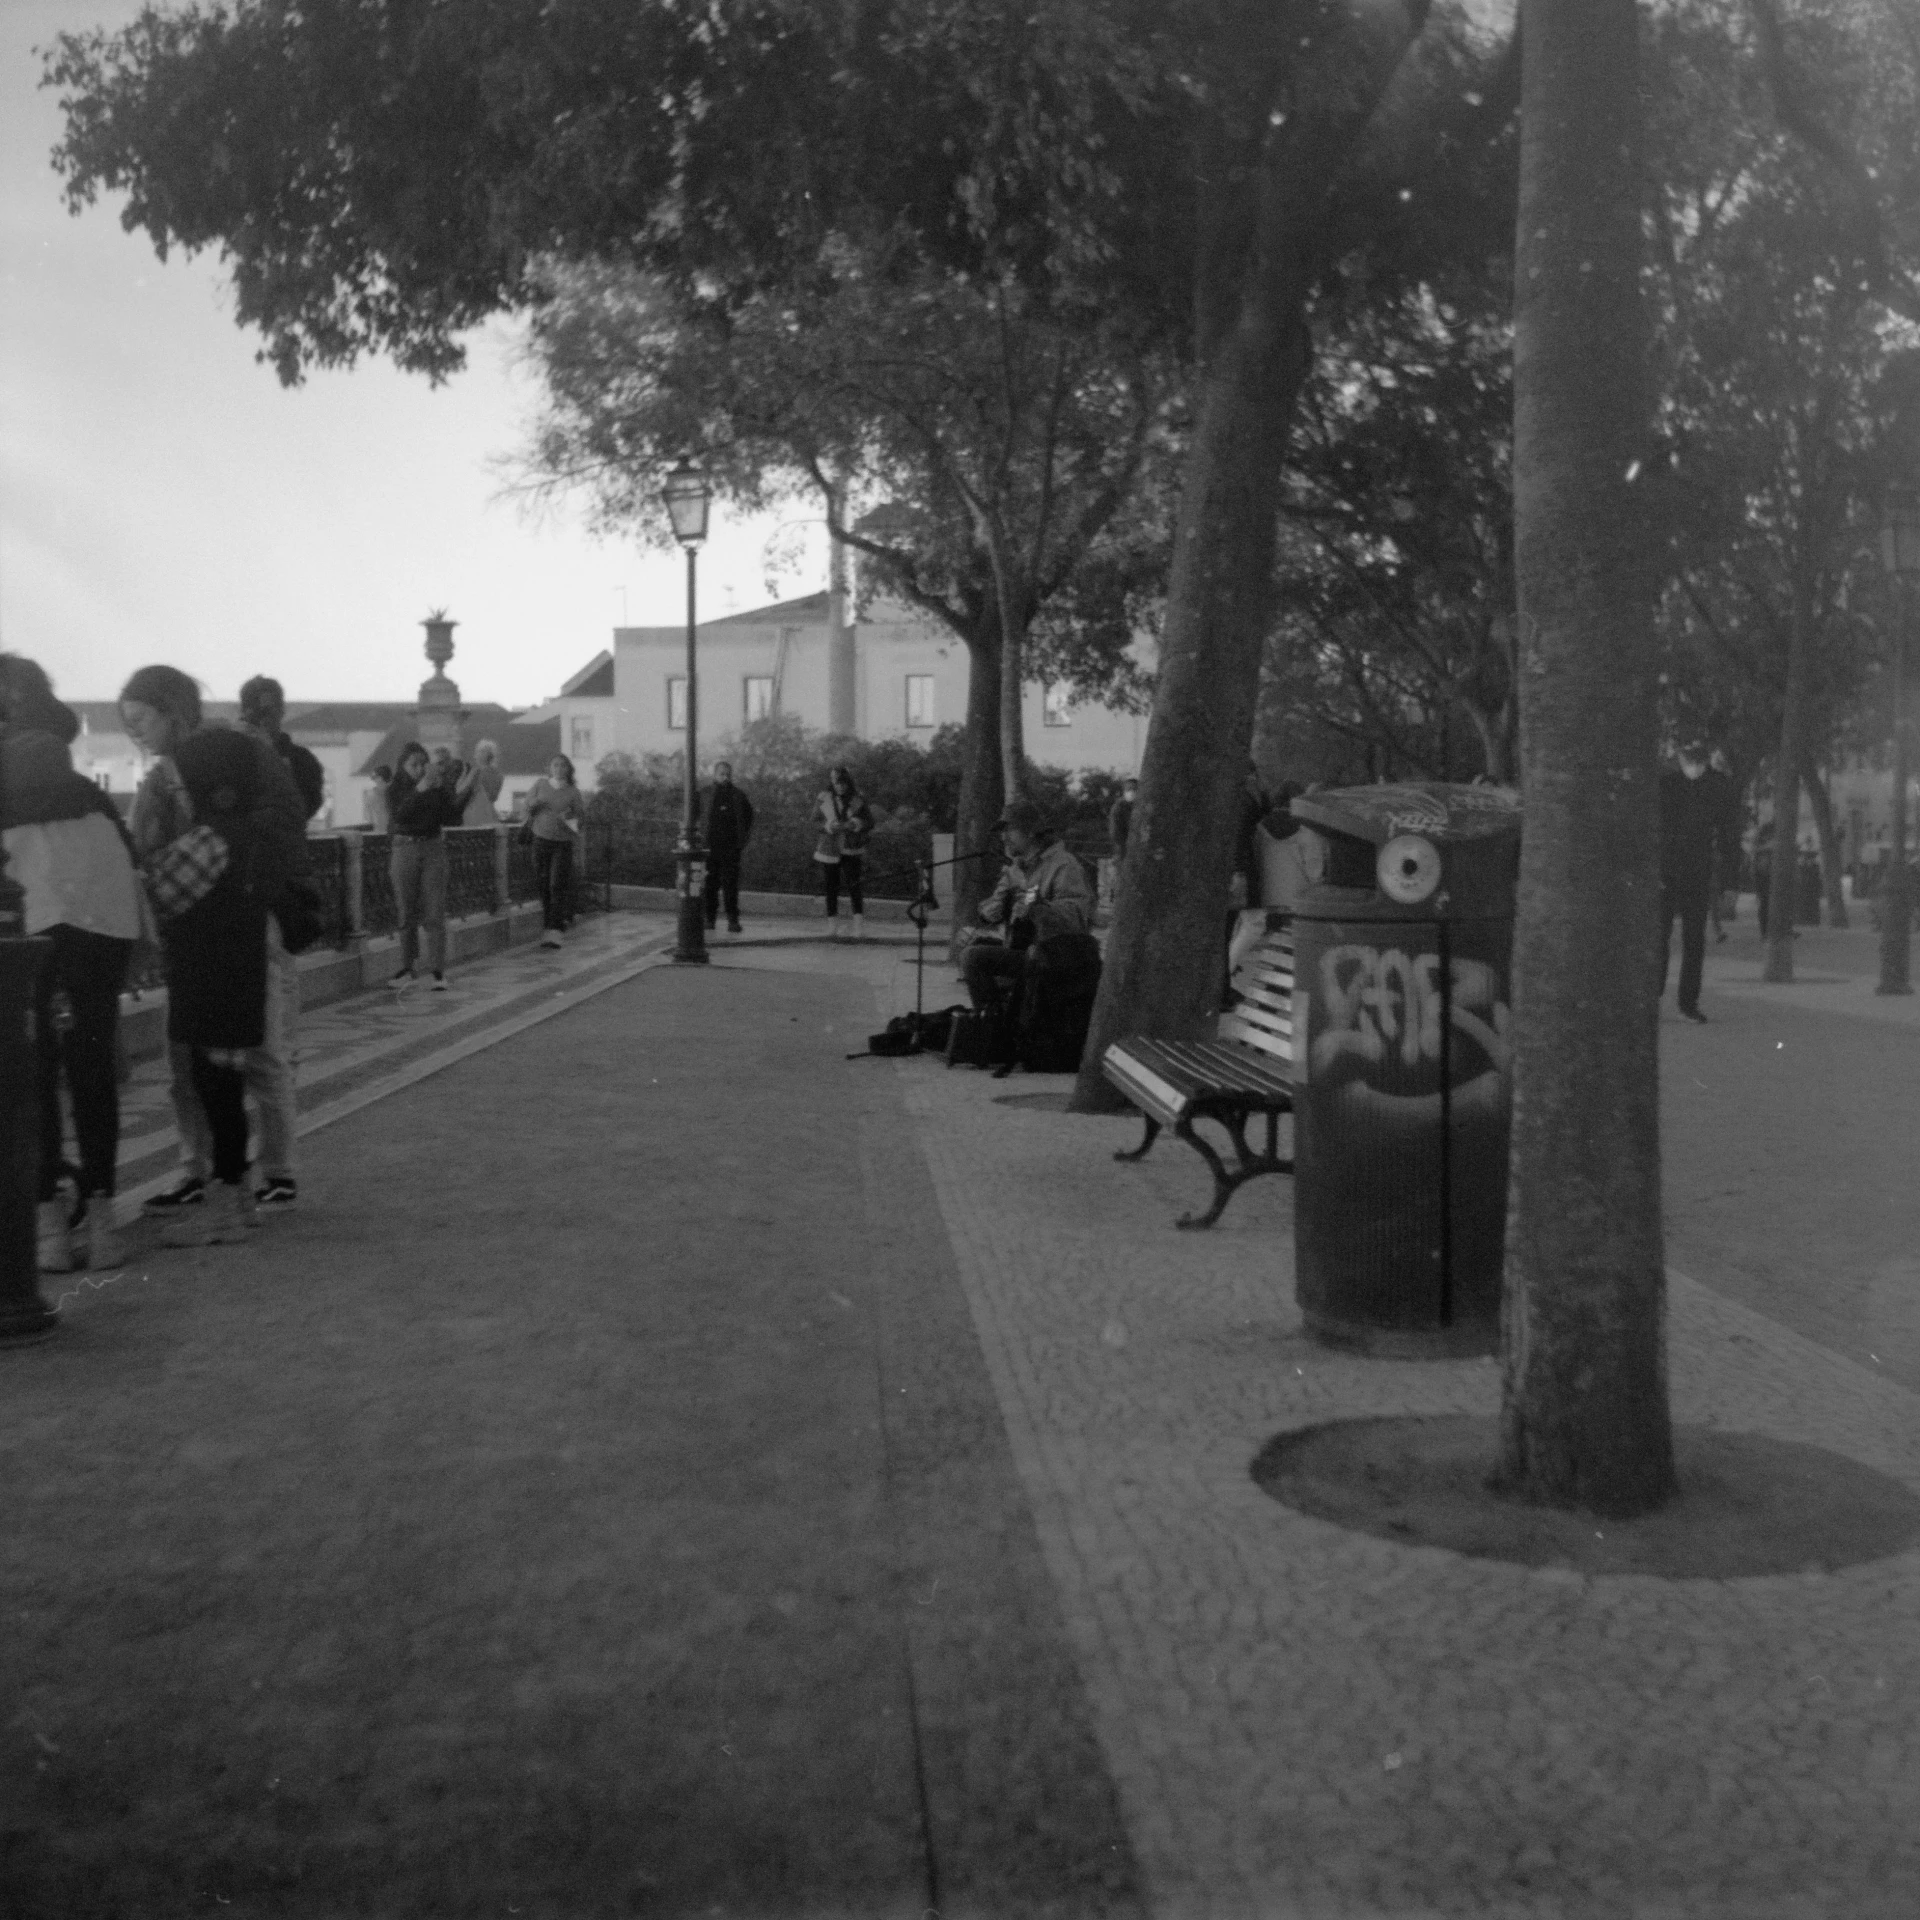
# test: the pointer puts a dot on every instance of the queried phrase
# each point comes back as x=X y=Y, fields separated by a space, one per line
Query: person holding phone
x=555 y=811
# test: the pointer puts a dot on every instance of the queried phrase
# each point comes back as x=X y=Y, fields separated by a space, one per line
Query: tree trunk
x=1165 y=951
x=1584 y=1417
x=1832 y=866
x=1784 y=893
x=1013 y=739
x=982 y=794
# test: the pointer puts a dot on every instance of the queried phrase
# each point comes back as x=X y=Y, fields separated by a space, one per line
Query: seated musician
x=1043 y=892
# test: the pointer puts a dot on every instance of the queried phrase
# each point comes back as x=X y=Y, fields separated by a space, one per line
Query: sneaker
x=439 y=983
x=191 y=1192
x=276 y=1194
x=53 y=1237
x=550 y=938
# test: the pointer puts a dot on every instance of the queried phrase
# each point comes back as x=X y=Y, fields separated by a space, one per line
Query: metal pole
x=692 y=867
x=1896 y=907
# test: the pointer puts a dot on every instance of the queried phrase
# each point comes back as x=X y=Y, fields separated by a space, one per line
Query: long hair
x=839 y=777
x=28 y=700
x=168 y=692
x=568 y=764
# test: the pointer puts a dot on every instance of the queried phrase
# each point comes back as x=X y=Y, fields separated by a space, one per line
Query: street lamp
x=1900 y=557
x=687 y=497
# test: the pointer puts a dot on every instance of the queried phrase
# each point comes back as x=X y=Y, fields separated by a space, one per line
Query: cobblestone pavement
x=1305 y=1721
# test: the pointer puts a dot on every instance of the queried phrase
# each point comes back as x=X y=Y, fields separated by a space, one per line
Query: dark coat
x=217 y=950
x=729 y=815
x=1699 y=830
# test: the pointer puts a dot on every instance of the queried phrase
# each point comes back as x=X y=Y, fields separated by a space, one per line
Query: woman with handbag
x=844 y=822
x=66 y=849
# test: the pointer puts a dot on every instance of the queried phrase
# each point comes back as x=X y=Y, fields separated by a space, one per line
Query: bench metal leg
x=1251 y=1164
x=1140 y=1152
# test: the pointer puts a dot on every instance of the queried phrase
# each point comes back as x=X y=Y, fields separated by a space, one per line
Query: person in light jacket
x=843 y=822
x=555 y=812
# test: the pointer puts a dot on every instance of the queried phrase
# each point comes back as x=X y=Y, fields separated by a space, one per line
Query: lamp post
x=687 y=497
x=1900 y=557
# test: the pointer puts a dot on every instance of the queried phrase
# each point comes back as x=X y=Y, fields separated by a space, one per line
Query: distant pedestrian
x=555 y=811
x=68 y=853
x=1120 y=817
x=729 y=827
x=843 y=821
x=1698 y=838
x=482 y=809
x=424 y=804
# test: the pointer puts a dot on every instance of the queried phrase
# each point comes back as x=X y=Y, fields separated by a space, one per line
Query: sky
x=164 y=498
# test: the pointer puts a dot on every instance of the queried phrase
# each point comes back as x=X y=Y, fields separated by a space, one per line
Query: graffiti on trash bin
x=1381 y=1011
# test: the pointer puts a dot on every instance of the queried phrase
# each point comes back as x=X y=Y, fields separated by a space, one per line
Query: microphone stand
x=919 y=910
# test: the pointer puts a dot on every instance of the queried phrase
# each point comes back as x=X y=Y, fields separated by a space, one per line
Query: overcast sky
x=162 y=497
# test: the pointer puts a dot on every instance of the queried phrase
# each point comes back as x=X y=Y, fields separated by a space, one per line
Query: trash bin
x=1404 y=1084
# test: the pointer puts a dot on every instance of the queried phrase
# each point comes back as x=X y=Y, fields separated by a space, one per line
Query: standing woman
x=423 y=803
x=554 y=812
x=66 y=849
x=482 y=809
x=844 y=821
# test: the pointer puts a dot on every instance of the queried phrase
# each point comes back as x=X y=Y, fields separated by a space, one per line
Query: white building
x=909 y=678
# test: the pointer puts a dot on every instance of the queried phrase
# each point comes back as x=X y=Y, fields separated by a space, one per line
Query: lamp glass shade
x=1900 y=531
x=687 y=498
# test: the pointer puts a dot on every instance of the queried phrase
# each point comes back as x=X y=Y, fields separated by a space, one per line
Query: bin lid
x=1440 y=811
x=1408 y=851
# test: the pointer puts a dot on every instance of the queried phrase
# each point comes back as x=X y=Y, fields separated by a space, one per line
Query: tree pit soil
x=1748 y=1504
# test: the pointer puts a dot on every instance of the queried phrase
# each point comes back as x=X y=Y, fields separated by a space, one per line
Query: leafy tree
x=1006 y=436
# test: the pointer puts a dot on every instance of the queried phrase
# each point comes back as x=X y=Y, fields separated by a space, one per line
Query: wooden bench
x=1245 y=1070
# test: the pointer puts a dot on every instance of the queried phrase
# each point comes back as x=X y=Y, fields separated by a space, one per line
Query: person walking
x=1698 y=835
x=843 y=822
x=425 y=802
x=160 y=708
x=554 y=812
x=729 y=827
x=270 y=1067
x=68 y=853
x=483 y=802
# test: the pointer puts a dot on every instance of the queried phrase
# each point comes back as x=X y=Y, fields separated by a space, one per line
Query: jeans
x=723 y=883
x=223 y=1099
x=89 y=968
x=847 y=869
x=268 y=1076
x=420 y=895
x=553 y=866
x=991 y=972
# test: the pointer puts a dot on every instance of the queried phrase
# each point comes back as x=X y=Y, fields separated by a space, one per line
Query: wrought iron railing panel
x=328 y=862
x=379 y=912
x=470 y=884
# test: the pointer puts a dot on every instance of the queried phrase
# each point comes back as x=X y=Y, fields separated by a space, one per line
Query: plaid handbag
x=185 y=871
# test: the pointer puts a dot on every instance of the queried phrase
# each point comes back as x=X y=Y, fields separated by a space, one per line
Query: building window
x=1056 y=705
x=758 y=701
x=581 y=734
x=677 y=703
x=919 y=699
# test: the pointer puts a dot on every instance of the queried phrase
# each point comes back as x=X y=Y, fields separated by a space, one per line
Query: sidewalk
x=667 y=1467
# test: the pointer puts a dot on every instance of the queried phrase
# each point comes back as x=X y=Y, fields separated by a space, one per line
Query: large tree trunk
x=1833 y=865
x=982 y=794
x=1584 y=1418
x=1785 y=891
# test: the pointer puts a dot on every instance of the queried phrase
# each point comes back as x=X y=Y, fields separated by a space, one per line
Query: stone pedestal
x=438 y=718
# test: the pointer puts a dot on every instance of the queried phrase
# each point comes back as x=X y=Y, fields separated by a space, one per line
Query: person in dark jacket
x=729 y=815
x=1699 y=838
x=424 y=800
x=263 y=707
